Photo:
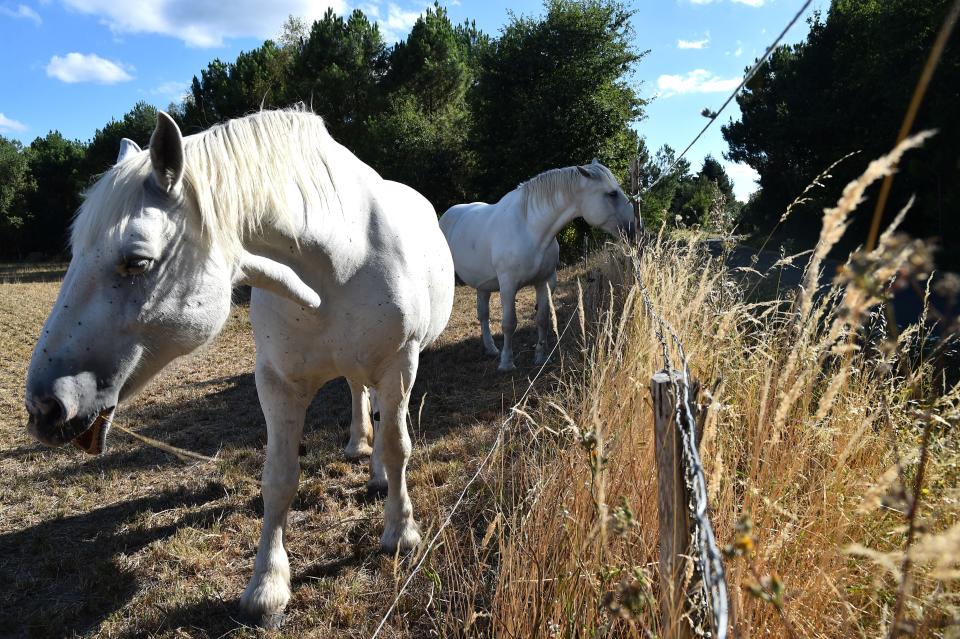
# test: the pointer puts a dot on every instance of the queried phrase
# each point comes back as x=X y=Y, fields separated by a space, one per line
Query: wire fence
x=709 y=596
x=498 y=440
x=710 y=608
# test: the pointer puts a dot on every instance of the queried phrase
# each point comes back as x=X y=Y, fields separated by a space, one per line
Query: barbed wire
x=476 y=475
x=716 y=114
x=709 y=564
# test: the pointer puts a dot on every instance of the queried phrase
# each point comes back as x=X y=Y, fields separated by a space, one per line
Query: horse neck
x=545 y=220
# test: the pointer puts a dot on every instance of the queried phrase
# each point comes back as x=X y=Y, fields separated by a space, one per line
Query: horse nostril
x=49 y=408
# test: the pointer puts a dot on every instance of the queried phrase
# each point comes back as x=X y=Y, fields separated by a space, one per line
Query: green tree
x=256 y=79
x=421 y=138
x=431 y=63
x=846 y=88
x=56 y=164
x=338 y=72
x=16 y=184
x=137 y=124
x=556 y=91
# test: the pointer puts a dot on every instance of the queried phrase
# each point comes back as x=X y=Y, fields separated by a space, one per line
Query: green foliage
x=16 y=184
x=338 y=72
x=684 y=199
x=57 y=165
x=137 y=124
x=452 y=112
x=257 y=79
x=846 y=88
x=555 y=91
x=422 y=136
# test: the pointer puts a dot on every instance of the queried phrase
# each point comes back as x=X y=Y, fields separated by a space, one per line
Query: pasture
x=818 y=446
x=137 y=543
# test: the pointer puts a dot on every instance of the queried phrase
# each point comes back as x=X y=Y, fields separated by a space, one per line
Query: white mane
x=237 y=178
x=544 y=189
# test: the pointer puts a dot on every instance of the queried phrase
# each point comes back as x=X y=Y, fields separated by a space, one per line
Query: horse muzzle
x=54 y=423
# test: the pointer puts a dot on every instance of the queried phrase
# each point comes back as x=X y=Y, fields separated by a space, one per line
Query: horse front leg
x=393 y=445
x=483 y=314
x=284 y=406
x=544 y=322
x=508 y=298
x=361 y=428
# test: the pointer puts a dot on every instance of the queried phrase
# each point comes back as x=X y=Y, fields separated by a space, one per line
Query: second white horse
x=511 y=244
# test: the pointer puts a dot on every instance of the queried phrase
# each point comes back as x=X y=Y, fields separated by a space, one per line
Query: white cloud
x=744 y=179
x=173 y=91
x=397 y=23
x=693 y=44
x=9 y=125
x=203 y=23
x=86 y=67
x=696 y=81
x=739 y=51
x=22 y=11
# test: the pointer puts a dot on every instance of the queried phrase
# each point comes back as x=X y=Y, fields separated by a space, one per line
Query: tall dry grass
x=813 y=432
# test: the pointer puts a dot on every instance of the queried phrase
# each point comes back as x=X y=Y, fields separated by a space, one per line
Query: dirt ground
x=136 y=543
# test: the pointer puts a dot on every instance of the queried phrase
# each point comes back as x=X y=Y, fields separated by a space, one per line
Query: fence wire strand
x=473 y=478
x=716 y=114
x=708 y=560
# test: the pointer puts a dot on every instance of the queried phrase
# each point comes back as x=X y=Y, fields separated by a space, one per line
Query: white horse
x=511 y=244
x=351 y=277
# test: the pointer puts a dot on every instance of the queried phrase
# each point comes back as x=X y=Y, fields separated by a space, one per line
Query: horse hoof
x=508 y=368
x=376 y=488
x=265 y=620
x=406 y=540
x=357 y=453
x=271 y=621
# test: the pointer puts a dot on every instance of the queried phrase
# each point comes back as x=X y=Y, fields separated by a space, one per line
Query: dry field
x=830 y=430
x=136 y=543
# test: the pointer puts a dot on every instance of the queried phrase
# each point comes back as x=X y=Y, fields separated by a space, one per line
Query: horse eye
x=135 y=265
x=612 y=194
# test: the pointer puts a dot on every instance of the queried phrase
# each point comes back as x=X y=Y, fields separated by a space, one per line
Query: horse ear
x=585 y=172
x=595 y=161
x=127 y=148
x=166 y=152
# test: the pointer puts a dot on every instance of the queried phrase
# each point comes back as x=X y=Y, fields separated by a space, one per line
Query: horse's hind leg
x=361 y=428
x=284 y=407
x=392 y=446
x=544 y=322
x=483 y=314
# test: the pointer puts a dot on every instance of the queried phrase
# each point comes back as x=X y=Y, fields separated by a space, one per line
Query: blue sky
x=72 y=65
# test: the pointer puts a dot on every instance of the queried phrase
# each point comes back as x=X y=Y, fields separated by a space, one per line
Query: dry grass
x=814 y=433
x=135 y=543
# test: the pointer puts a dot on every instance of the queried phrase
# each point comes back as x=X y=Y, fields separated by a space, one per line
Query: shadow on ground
x=68 y=574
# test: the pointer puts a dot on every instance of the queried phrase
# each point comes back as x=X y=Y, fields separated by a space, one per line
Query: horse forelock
x=237 y=177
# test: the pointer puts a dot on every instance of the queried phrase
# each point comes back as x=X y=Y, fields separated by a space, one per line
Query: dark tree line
x=844 y=89
x=463 y=116
x=451 y=111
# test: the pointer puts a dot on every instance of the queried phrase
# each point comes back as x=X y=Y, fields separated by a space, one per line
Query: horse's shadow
x=70 y=574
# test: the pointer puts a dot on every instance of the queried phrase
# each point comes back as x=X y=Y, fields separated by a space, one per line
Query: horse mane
x=547 y=187
x=230 y=180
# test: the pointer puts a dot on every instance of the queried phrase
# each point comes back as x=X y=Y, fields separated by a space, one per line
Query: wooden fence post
x=673 y=498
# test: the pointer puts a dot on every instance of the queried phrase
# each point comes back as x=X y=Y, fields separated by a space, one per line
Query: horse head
x=145 y=285
x=603 y=203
